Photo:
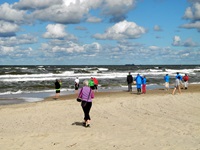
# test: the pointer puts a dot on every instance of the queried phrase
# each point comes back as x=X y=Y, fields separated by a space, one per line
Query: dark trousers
x=86 y=110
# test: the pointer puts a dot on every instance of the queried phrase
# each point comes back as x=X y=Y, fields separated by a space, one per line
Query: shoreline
x=193 y=88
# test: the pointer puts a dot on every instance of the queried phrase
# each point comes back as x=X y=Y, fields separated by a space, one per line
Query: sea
x=21 y=84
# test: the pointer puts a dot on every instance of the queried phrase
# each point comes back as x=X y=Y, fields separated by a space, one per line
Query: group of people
x=178 y=82
x=139 y=81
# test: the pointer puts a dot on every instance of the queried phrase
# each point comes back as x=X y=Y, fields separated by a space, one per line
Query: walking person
x=58 y=84
x=76 y=86
x=167 y=79
x=144 y=82
x=96 y=82
x=129 y=80
x=86 y=94
x=180 y=80
x=186 y=79
x=91 y=83
x=138 y=80
x=177 y=85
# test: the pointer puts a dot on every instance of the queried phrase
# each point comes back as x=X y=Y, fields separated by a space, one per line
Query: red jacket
x=95 y=81
x=185 y=78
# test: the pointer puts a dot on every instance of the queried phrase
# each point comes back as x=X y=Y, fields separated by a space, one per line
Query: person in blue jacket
x=167 y=79
x=178 y=76
x=138 y=80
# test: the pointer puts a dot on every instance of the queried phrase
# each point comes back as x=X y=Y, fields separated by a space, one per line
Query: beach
x=156 y=120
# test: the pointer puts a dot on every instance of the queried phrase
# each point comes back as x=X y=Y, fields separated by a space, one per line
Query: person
x=186 y=79
x=96 y=82
x=129 y=80
x=178 y=75
x=58 y=84
x=138 y=80
x=144 y=82
x=76 y=84
x=167 y=79
x=177 y=85
x=86 y=94
x=91 y=83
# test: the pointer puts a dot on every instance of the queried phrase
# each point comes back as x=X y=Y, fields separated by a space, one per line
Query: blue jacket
x=144 y=81
x=166 y=78
x=138 y=79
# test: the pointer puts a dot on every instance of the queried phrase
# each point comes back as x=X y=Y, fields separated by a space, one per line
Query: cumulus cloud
x=8 y=29
x=187 y=43
x=94 y=19
x=193 y=14
x=8 y=13
x=192 y=25
x=74 y=11
x=55 y=31
x=36 y=4
x=117 y=9
x=122 y=30
x=18 y=40
x=176 y=41
x=71 y=47
x=157 y=28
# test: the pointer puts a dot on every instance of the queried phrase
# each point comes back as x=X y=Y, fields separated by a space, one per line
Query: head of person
x=186 y=74
x=85 y=82
x=129 y=73
x=166 y=74
x=177 y=73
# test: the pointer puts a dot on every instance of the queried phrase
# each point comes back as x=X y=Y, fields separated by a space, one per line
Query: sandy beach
x=156 y=120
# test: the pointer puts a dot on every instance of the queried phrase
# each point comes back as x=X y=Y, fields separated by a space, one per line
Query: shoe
x=87 y=125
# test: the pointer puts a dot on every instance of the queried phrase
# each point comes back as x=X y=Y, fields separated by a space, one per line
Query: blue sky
x=103 y=32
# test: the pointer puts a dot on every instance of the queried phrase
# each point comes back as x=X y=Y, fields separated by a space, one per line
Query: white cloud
x=36 y=4
x=189 y=43
x=94 y=19
x=6 y=50
x=192 y=25
x=18 y=40
x=7 y=29
x=8 y=13
x=176 y=41
x=70 y=47
x=122 y=30
x=157 y=28
x=117 y=9
x=55 y=31
x=62 y=13
x=193 y=13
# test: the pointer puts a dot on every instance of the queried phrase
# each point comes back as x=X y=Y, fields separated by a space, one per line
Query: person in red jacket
x=186 y=79
x=96 y=82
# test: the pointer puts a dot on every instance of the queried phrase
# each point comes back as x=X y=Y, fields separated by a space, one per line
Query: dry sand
x=120 y=121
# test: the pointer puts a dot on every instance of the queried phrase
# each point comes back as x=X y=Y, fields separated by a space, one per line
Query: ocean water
x=33 y=83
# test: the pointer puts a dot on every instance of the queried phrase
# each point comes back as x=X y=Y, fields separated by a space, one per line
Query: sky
x=99 y=32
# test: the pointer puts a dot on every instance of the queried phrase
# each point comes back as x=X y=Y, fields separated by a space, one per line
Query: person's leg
x=86 y=111
x=179 y=89
x=174 y=91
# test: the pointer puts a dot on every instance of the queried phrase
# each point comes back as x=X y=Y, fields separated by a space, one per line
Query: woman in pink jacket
x=86 y=94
